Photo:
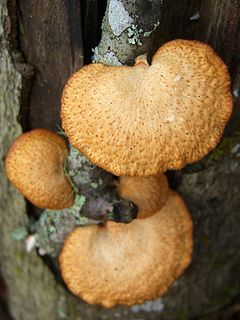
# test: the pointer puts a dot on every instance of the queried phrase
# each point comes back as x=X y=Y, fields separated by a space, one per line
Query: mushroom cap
x=143 y=119
x=150 y=193
x=34 y=165
x=128 y=264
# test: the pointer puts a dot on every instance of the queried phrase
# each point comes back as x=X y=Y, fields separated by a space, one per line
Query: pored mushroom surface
x=143 y=119
x=127 y=264
x=35 y=166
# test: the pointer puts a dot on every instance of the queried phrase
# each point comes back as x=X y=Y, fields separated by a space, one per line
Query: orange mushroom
x=128 y=264
x=35 y=166
x=115 y=264
x=150 y=193
x=141 y=120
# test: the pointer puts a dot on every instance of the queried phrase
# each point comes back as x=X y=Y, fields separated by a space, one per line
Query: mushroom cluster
x=135 y=122
x=115 y=263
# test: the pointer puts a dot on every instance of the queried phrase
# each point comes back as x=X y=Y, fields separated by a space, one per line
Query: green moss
x=54 y=225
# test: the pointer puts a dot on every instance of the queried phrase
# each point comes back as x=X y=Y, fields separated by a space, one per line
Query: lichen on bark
x=127 y=34
x=96 y=201
x=102 y=202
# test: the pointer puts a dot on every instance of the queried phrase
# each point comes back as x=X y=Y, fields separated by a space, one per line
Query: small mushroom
x=115 y=264
x=143 y=119
x=150 y=193
x=35 y=166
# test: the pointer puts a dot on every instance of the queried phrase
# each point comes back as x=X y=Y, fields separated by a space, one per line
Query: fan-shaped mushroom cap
x=150 y=193
x=144 y=119
x=34 y=165
x=128 y=264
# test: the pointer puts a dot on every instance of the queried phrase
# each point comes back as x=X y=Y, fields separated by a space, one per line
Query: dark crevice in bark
x=92 y=15
x=25 y=69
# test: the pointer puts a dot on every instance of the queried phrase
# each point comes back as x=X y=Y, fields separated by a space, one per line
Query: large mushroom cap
x=34 y=165
x=128 y=264
x=144 y=119
x=150 y=193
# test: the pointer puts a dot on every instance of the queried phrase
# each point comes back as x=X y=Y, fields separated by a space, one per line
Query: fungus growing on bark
x=143 y=119
x=35 y=166
x=115 y=264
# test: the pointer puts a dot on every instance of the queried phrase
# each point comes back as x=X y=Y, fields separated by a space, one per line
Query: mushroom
x=115 y=264
x=141 y=120
x=35 y=166
x=150 y=193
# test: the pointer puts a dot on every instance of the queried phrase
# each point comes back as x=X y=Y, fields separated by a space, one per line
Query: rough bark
x=32 y=290
x=98 y=187
x=210 y=188
x=50 y=33
x=128 y=31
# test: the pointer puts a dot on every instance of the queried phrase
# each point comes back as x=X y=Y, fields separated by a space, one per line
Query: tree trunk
x=49 y=36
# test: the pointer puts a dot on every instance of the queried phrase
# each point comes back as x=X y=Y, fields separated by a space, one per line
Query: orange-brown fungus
x=143 y=119
x=128 y=264
x=34 y=165
x=150 y=193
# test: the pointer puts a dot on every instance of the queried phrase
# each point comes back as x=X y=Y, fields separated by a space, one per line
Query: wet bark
x=49 y=37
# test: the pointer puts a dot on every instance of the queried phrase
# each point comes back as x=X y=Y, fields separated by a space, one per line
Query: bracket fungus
x=141 y=120
x=137 y=122
x=35 y=166
x=115 y=264
x=150 y=193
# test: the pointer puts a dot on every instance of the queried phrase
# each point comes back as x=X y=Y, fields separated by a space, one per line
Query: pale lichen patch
x=55 y=225
x=118 y=17
x=134 y=35
x=109 y=58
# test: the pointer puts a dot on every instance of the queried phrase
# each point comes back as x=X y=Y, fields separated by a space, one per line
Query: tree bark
x=51 y=42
